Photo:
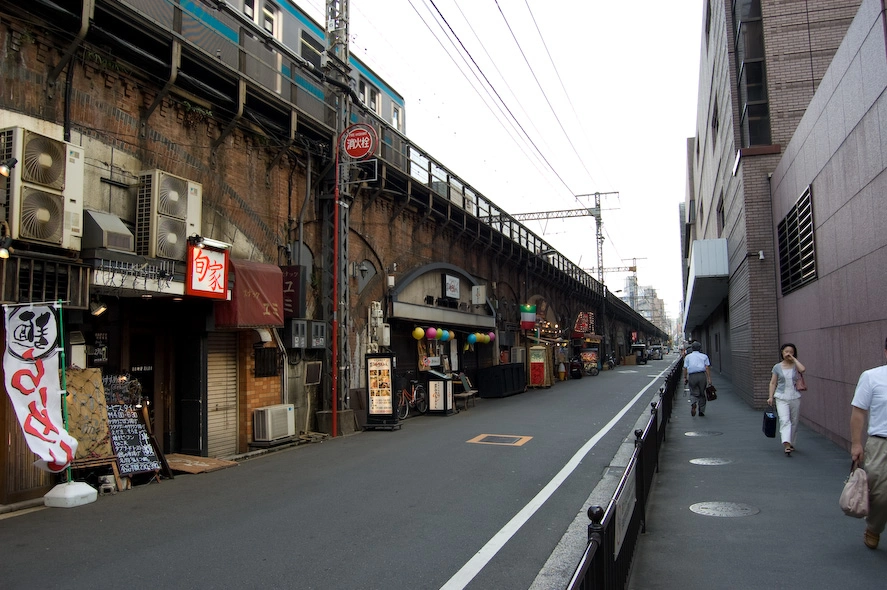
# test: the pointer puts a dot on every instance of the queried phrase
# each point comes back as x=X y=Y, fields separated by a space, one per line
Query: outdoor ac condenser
x=274 y=422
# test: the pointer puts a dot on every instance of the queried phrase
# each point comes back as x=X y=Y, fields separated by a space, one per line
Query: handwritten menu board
x=130 y=441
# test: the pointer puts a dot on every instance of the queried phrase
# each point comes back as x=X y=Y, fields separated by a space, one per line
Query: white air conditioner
x=44 y=192
x=168 y=212
x=274 y=422
x=518 y=354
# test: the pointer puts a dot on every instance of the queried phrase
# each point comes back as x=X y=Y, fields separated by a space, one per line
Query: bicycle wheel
x=403 y=406
x=594 y=370
x=421 y=399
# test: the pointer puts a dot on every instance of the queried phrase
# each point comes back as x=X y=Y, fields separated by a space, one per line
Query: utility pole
x=335 y=215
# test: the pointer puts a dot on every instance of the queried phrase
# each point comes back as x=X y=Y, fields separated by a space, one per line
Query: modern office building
x=761 y=63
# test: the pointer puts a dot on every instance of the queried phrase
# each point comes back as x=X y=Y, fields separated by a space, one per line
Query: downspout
x=304 y=208
x=86 y=14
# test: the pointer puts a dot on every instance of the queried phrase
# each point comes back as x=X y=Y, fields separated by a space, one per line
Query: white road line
x=486 y=553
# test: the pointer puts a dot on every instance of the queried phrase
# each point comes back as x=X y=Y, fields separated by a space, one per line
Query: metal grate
x=266 y=362
x=797 y=247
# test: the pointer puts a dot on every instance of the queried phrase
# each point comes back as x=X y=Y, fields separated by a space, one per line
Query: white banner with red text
x=31 y=364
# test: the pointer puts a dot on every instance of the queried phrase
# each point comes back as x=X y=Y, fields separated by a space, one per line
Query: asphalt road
x=419 y=507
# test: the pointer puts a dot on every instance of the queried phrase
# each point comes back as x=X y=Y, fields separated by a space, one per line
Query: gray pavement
x=789 y=532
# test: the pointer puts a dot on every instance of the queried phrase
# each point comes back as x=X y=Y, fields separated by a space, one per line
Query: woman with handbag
x=786 y=383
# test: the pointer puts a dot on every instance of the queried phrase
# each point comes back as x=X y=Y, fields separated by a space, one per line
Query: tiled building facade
x=761 y=62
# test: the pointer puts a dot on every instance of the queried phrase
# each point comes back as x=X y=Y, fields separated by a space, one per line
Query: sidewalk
x=790 y=532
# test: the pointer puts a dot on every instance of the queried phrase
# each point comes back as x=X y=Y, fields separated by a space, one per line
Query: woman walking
x=788 y=398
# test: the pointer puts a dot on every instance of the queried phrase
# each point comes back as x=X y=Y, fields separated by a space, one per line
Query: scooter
x=575 y=368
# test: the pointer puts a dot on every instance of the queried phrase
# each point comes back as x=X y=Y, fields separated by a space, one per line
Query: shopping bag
x=770 y=423
x=854 y=499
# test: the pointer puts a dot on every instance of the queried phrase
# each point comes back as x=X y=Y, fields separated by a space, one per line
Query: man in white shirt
x=870 y=402
x=697 y=374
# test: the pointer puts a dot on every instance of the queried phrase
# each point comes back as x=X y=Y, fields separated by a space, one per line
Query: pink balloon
x=431 y=333
x=492 y=336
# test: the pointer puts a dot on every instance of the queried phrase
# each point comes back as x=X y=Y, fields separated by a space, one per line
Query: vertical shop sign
x=31 y=363
x=381 y=389
x=207 y=273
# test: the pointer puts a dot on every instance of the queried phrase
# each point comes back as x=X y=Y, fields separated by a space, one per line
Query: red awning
x=257 y=299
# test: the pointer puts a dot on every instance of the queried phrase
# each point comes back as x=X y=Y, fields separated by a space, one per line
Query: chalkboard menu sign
x=130 y=441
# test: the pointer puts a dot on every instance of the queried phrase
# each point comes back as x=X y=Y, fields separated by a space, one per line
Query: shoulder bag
x=800 y=384
x=854 y=499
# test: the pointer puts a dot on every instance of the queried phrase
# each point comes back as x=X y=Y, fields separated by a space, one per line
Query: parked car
x=655 y=353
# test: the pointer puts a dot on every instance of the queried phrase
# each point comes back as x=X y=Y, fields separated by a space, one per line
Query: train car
x=284 y=52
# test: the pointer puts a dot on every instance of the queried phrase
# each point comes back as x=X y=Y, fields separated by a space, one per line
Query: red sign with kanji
x=207 y=273
x=359 y=141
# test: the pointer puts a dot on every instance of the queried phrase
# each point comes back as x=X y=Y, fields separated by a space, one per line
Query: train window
x=269 y=18
x=374 y=100
x=369 y=95
x=312 y=49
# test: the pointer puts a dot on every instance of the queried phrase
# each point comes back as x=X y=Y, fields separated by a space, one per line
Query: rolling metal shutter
x=221 y=394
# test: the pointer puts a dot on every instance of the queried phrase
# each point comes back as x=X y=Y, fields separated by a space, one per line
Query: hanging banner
x=31 y=363
x=527 y=316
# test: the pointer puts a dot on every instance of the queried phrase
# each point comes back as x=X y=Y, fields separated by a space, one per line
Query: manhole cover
x=500 y=439
x=710 y=461
x=703 y=433
x=724 y=509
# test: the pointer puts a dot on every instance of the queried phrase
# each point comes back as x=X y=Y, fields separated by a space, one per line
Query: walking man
x=870 y=401
x=697 y=374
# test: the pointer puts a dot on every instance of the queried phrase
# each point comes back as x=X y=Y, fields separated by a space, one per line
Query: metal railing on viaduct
x=225 y=45
x=614 y=529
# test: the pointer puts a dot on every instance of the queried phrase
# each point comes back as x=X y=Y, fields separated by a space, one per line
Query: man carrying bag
x=870 y=402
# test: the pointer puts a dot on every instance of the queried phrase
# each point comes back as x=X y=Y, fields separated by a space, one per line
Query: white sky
x=623 y=87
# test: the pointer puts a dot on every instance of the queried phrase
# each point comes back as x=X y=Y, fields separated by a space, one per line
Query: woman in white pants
x=788 y=398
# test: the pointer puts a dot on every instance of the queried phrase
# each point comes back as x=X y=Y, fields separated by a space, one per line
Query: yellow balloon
x=418 y=333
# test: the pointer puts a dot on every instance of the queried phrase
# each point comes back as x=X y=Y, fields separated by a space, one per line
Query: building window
x=249 y=8
x=715 y=123
x=797 y=248
x=751 y=80
x=721 y=216
x=266 y=362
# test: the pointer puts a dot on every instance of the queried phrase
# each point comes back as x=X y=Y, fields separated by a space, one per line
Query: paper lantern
x=430 y=333
x=492 y=336
x=418 y=333
x=472 y=338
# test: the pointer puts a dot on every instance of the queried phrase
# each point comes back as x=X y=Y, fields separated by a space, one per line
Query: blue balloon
x=472 y=338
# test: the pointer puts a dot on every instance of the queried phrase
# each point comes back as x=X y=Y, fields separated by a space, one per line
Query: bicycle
x=412 y=396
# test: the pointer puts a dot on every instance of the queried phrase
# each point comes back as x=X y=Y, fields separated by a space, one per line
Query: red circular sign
x=359 y=141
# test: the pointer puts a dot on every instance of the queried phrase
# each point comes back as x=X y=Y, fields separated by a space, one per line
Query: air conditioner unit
x=168 y=211
x=518 y=354
x=44 y=192
x=274 y=422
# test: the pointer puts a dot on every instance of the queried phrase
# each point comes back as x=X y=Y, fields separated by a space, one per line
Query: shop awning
x=257 y=298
